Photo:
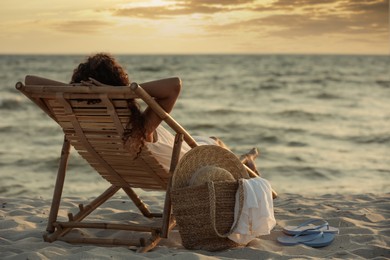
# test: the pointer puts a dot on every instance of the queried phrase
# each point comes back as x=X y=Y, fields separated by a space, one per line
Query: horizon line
x=193 y=54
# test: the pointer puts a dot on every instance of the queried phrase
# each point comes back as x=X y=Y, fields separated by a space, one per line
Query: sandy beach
x=363 y=221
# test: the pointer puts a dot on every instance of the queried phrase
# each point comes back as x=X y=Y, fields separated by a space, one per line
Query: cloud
x=368 y=17
x=303 y=25
x=186 y=7
x=163 y=12
x=297 y=3
x=81 y=26
x=377 y=6
x=307 y=19
x=368 y=12
x=218 y=2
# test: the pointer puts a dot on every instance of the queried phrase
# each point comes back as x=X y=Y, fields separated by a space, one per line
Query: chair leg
x=84 y=212
x=153 y=241
x=167 y=204
x=150 y=244
x=139 y=203
x=59 y=185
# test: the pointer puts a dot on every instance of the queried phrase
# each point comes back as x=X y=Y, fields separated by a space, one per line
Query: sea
x=320 y=122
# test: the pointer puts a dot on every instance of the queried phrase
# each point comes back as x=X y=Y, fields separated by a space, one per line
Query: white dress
x=162 y=148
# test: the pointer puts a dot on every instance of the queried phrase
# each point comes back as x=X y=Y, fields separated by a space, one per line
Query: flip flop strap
x=323 y=224
x=318 y=227
x=311 y=238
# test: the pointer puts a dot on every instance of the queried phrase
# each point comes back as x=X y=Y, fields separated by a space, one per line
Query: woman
x=144 y=128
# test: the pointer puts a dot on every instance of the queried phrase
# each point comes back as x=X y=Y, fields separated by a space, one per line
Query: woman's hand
x=92 y=82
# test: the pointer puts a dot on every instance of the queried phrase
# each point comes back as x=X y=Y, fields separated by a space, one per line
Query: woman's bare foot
x=219 y=142
x=253 y=153
x=249 y=159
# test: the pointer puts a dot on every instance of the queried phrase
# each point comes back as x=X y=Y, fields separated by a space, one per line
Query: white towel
x=257 y=216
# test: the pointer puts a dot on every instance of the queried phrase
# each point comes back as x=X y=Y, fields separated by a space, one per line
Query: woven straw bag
x=205 y=213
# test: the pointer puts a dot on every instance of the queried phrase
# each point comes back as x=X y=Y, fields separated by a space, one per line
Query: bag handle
x=213 y=207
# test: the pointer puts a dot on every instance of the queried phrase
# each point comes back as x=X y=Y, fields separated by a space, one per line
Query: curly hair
x=104 y=68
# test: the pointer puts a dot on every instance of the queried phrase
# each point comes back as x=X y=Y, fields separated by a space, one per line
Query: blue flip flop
x=309 y=227
x=318 y=239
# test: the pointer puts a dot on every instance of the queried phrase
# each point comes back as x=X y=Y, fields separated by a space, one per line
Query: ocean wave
x=265 y=136
x=76 y=163
x=296 y=158
x=306 y=172
x=312 y=81
x=325 y=95
x=345 y=79
x=271 y=86
x=270 y=135
x=383 y=83
x=300 y=114
x=288 y=130
x=14 y=189
x=24 y=162
x=371 y=139
x=230 y=111
x=10 y=103
x=150 y=69
x=7 y=129
x=296 y=144
x=202 y=127
x=270 y=139
x=357 y=139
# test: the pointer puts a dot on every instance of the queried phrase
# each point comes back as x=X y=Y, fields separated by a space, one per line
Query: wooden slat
x=90 y=127
x=87 y=119
x=99 y=139
x=52 y=95
x=118 y=103
x=87 y=91
x=70 y=131
x=91 y=118
x=99 y=225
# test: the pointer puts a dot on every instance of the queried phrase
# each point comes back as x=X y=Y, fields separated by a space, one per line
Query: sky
x=194 y=26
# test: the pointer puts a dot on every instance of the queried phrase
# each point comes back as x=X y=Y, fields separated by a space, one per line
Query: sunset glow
x=189 y=26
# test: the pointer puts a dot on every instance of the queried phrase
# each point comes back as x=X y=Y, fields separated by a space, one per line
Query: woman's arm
x=35 y=80
x=165 y=92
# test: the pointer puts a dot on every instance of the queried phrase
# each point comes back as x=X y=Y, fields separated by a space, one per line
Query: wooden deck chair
x=93 y=119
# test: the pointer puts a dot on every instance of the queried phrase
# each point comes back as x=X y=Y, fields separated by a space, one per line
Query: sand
x=363 y=221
